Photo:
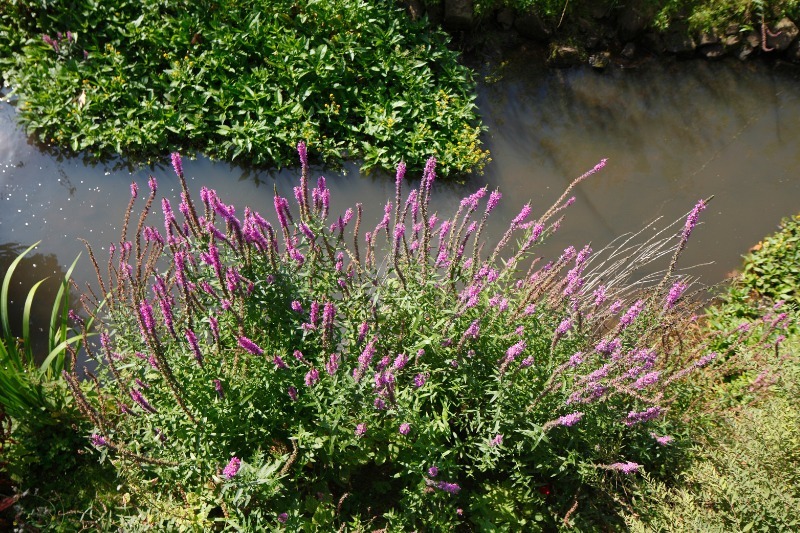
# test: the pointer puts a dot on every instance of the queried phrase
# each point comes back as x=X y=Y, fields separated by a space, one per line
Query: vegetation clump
x=770 y=275
x=746 y=457
x=306 y=373
x=240 y=81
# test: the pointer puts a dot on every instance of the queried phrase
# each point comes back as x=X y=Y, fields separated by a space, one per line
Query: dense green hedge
x=241 y=80
x=770 y=274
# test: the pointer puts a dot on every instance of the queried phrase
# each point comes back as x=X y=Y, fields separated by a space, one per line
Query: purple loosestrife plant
x=250 y=346
x=627 y=467
x=232 y=468
x=503 y=337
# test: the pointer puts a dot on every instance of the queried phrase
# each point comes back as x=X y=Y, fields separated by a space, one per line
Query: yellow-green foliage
x=746 y=475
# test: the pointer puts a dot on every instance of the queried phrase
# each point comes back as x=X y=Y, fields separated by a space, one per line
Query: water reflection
x=33 y=267
x=673 y=133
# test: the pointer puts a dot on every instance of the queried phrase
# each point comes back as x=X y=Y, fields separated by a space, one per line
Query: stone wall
x=623 y=34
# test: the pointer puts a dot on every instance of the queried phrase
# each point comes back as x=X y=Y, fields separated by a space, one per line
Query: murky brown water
x=673 y=133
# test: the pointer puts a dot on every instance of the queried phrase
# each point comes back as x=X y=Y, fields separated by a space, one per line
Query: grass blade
x=60 y=310
x=12 y=354
x=26 y=322
x=4 y=291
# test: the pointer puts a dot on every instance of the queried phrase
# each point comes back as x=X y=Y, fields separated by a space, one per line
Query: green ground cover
x=241 y=80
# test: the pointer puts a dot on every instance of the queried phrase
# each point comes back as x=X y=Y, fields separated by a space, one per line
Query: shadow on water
x=35 y=266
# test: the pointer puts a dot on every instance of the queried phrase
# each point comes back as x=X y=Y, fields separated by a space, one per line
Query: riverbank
x=600 y=33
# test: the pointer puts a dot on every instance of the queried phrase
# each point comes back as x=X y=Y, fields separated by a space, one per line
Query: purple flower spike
x=599 y=295
x=428 y=175
x=302 y=151
x=400 y=361
x=328 y=314
x=675 y=292
x=292 y=393
x=214 y=325
x=635 y=417
x=142 y=401
x=148 y=325
x=514 y=351
x=361 y=429
x=433 y=471
x=191 y=338
x=362 y=332
x=452 y=488
x=473 y=330
x=99 y=440
x=703 y=361
x=523 y=214
x=134 y=190
x=496 y=441
x=494 y=199
x=399 y=231
x=218 y=388
x=312 y=377
x=564 y=326
x=405 y=428
x=250 y=346
x=333 y=364
x=283 y=517
x=631 y=314
x=628 y=467
x=297 y=307
x=662 y=440
x=233 y=468
x=691 y=220
x=307 y=232
x=647 y=380
x=570 y=419
x=401 y=173
x=314 y=316
x=177 y=164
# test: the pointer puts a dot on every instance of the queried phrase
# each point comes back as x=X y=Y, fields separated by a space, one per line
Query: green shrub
x=770 y=275
x=241 y=80
x=257 y=374
x=746 y=472
x=744 y=475
x=772 y=269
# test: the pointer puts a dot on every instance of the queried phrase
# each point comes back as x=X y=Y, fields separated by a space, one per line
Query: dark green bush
x=241 y=80
x=770 y=274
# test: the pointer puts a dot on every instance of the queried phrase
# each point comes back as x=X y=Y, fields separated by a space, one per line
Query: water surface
x=673 y=133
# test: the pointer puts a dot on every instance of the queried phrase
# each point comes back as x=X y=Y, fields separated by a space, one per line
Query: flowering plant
x=299 y=373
